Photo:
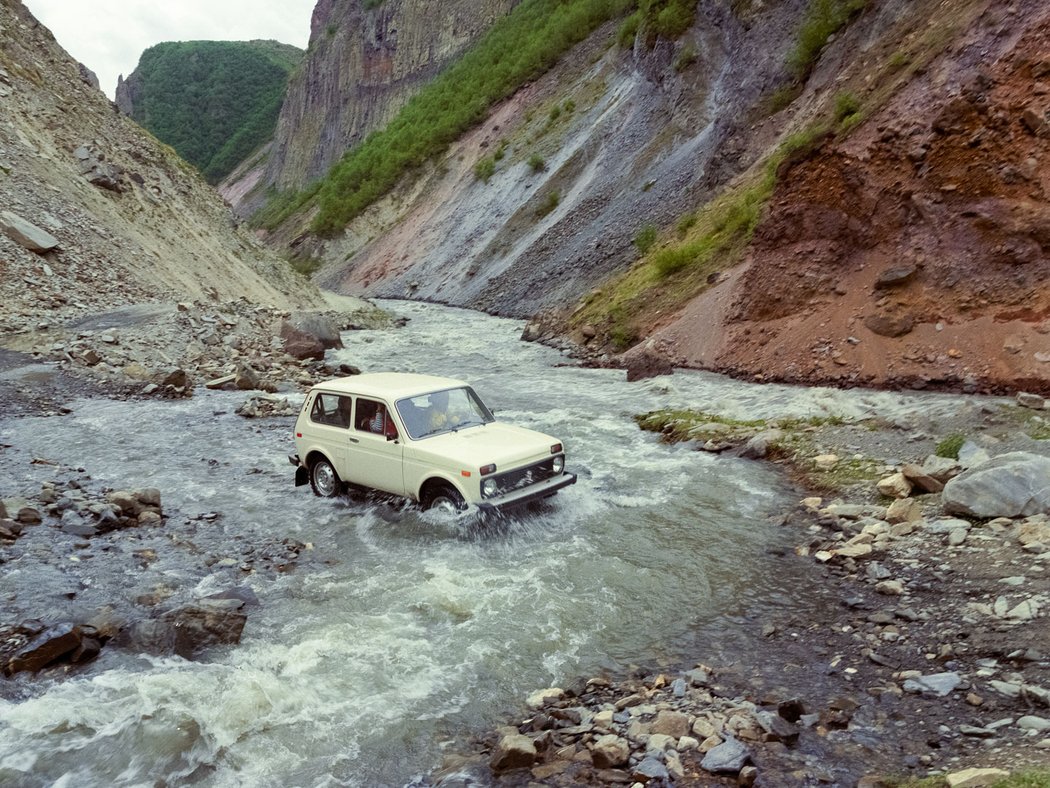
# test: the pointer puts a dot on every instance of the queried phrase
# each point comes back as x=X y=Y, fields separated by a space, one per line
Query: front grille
x=523 y=477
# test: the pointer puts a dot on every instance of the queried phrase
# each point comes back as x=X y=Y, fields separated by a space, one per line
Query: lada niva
x=428 y=438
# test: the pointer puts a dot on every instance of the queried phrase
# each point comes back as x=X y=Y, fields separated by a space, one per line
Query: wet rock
x=26 y=234
x=47 y=647
x=647 y=364
x=1010 y=485
x=729 y=757
x=187 y=631
x=514 y=751
x=610 y=751
x=757 y=447
x=265 y=406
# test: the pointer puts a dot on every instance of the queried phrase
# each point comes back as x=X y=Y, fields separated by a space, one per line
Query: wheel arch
x=435 y=481
x=314 y=455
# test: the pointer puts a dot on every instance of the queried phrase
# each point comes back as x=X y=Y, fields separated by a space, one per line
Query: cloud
x=108 y=36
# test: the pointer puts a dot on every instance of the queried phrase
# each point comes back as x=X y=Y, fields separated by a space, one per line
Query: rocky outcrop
x=363 y=65
x=131 y=221
x=1010 y=485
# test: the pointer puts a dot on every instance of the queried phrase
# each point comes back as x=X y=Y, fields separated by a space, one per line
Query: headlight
x=558 y=464
x=489 y=488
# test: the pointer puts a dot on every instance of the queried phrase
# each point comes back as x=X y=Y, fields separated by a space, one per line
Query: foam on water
x=412 y=630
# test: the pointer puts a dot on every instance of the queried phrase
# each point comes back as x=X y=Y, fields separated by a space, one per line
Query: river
x=398 y=634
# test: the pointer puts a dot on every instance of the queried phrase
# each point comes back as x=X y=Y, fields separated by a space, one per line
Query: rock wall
x=361 y=67
x=131 y=221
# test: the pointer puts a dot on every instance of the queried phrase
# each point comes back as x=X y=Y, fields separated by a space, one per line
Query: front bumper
x=525 y=495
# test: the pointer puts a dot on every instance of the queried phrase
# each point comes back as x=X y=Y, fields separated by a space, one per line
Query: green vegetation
x=485 y=168
x=629 y=30
x=708 y=242
x=536 y=162
x=645 y=238
x=518 y=48
x=685 y=57
x=846 y=105
x=370 y=4
x=949 y=447
x=665 y=18
x=548 y=204
x=1028 y=778
x=214 y=102
x=822 y=19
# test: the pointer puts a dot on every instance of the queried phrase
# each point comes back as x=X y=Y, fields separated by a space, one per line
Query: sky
x=108 y=36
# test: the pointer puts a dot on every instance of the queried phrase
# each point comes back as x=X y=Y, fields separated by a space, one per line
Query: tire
x=446 y=499
x=324 y=480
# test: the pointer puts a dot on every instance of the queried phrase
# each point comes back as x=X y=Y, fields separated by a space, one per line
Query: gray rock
x=941 y=468
x=971 y=455
x=758 y=446
x=1007 y=688
x=28 y=515
x=895 y=276
x=26 y=234
x=939 y=684
x=671 y=723
x=649 y=769
x=1010 y=485
x=729 y=757
x=1034 y=401
x=1032 y=723
x=187 y=631
x=245 y=378
x=319 y=326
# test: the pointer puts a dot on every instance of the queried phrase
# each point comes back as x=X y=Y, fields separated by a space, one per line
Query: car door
x=375 y=453
x=330 y=417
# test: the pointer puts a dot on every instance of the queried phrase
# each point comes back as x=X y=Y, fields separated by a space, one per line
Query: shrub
x=629 y=30
x=822 y=19
x=536 y=162
x=555 y=113
x=645 y=238
x=949 y=447
x=548 y=205
x=570 y=106
x=685 y=57
x=518 y=48
x=846 y=105
x=685 y=223
x=485 y=168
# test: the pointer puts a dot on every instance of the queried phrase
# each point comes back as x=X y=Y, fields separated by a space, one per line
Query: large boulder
x=26 y=234
x=188 y=631
x=319 y=326
x=1010 y=485
x=647 y=364
x=513 y=752
x=299 y=344
x=51 y=644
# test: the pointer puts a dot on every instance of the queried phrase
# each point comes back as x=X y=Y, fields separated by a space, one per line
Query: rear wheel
x=324 y=480
x=446 y=499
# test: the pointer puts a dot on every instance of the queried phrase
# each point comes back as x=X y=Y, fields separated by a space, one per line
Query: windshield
x=442 y=411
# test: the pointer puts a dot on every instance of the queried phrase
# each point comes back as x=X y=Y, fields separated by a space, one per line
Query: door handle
x=354 y=440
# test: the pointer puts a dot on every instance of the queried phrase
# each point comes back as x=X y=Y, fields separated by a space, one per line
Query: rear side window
x=373 y=417
x=331 y=409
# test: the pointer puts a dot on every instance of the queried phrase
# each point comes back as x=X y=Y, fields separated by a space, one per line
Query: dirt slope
x=132 y=221
x=917 y=250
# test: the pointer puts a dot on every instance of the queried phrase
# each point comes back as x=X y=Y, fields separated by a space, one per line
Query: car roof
x=389 y=385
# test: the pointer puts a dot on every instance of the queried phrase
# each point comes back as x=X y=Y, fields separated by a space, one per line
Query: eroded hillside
x=131 y=221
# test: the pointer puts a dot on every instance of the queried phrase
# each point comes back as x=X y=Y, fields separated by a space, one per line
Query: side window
x=331 y=409
x=372 y=417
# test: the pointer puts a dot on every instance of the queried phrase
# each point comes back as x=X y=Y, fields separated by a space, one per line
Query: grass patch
x=537 y=163
x=949 y=447
x=685 y=224
x=823 y=18
x=686 y=56
x=629 y=30
x=549 y=204
x=485 y=168
x=518 y=48
x=645 y=238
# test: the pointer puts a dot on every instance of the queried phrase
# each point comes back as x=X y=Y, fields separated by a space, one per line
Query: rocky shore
x=934 y=663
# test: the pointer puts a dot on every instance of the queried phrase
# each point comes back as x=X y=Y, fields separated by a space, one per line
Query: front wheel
x=324 y=480
x=447 y=500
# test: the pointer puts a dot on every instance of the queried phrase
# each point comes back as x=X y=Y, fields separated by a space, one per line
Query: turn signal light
x=464 y=473
x=556 y=448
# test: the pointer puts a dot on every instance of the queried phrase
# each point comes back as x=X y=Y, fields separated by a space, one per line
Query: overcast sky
x=109 y=35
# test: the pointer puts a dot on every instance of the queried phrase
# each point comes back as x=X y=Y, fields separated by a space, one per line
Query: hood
x=503 y=444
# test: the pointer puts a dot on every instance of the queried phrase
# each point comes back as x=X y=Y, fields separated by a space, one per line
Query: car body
x=428 y=438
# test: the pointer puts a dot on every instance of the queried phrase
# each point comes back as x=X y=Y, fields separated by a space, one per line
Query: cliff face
x=132 y=222
x=362 y=66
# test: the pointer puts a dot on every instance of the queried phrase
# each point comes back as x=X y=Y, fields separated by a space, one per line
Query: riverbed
x=400 y=633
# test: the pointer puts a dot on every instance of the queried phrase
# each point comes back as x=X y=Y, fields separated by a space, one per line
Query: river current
x=404 y=634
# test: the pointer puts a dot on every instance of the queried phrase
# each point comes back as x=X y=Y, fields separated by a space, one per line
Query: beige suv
x=428 y=438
